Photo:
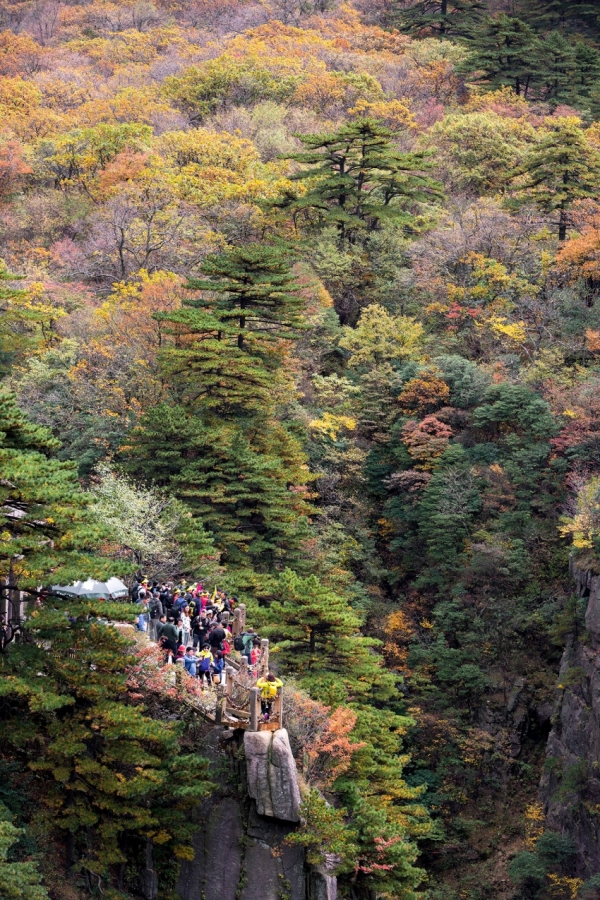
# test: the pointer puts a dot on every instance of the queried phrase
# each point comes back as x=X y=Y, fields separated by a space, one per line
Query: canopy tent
x=113 y=589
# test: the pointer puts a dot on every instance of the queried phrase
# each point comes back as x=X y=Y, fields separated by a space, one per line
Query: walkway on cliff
x=235 y=703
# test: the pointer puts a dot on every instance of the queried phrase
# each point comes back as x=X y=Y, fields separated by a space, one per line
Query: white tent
x=113 y=589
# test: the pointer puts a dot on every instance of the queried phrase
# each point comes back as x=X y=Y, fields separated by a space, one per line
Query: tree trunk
x=562 y=225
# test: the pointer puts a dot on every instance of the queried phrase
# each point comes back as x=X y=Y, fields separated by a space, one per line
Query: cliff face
x=570 y=786
x=240 y=845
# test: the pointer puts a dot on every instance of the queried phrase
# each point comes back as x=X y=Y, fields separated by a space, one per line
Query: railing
x=237 y=702
x=239 y=698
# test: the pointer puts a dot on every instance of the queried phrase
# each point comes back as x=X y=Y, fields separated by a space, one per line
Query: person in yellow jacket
x=269 y=685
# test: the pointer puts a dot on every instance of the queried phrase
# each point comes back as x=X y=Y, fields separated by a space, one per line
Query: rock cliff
x=271 y=774
x=241 y=852
x=570 y=786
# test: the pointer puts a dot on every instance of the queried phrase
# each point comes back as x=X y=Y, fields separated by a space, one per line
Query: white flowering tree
x=157 y=531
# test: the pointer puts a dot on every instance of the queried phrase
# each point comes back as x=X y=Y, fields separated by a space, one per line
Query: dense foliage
x=303 y=296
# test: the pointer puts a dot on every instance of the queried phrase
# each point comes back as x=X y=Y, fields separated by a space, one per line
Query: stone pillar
x=272 y=775
x=237 y=626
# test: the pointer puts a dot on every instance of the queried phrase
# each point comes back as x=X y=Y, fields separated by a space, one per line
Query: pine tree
x=235 y=477
x=46 y=526
x=443 y=18
x=221 y=449
x=561 y=168
x=557 y=68
x=232 y=338
x=586 y=72
x=505 y=52
x=358 y=180
x=571 y=15
x=109 y=774
x=316 y=635
x=18 y=880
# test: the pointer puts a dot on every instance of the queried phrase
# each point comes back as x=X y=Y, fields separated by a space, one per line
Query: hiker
x=218 y=665
x=216 y=636
x=156 y=611
x=191 y=661
x=144 y=616
x=159 y=627
x=248 y=642
x=255 y=651
x=186 y=626
x=205 y=661
x=199 y=629
x=168 y=636
x=269 y=685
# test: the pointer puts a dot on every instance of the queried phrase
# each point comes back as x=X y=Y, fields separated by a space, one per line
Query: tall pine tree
x=357 y=180
x=561 y=168
x=442 y=18
x=222 y=449
x=505 y=52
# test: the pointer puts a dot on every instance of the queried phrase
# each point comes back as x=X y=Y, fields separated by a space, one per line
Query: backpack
x=269 y=690
x=205 y=664
x=239 y=643
x=154 y=610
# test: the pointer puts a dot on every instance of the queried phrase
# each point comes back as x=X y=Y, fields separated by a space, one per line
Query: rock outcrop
x=240 y=846
x=271 y=773
x=570 y=786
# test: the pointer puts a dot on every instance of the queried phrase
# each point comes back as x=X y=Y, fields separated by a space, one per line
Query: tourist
x=268 y=686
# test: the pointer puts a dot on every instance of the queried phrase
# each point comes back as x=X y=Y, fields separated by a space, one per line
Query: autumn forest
x=302 y=298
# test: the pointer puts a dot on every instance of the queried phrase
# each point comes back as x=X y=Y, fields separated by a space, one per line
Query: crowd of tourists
x=193 y=629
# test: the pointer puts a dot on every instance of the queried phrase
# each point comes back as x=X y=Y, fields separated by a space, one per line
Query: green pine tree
x=108 y=773
x=442 y=18
x=221 y=449
x=557 y=68
x=357 y=180
x=560 y=169
x=586 y=76
x=235 y=477
x=316 y=635
x=231 y=339
x=47 y=529
x=18 y=880
x=505 y=52
x=568 y=15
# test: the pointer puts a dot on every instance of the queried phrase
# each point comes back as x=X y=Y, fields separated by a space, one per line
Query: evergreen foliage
x=443 y=18
x=560 y=169
x=231 y=341
x=505 y=52
x=18 y=880
x=110 y=773
x=48 y=529
x=220 y=449
x=358 y=180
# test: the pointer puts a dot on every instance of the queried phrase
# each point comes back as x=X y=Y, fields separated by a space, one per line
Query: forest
x=302 y=298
